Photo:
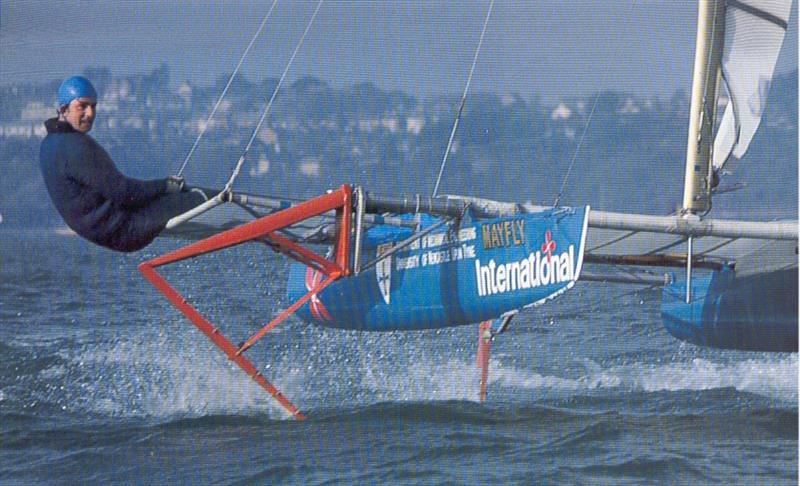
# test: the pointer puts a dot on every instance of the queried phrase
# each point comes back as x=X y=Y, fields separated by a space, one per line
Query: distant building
x=267 y=136
x=23 y=130
x=185 y=92
x=310 y=166
x=134 y=122
x=415 y=124
x=629 y=107
x=261 y=167
x=391 y=124
x=107 y=106
x=37 y=111
x=562 y=112
x=368 y=125
x=120 y=90
x=509 y=99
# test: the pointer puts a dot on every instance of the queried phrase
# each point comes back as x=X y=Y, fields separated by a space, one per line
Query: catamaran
x=428 y=262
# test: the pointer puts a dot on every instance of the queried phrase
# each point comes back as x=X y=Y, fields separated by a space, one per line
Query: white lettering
x=564 y=269
x=544 y=270
x=525 y=274
x=486 y=276
x=469 y=250
x=467 y=234
x=501 y=278
x=481 y=285
x=492 y=282
x=512 y=272
x=408 y=262
x=530 y=272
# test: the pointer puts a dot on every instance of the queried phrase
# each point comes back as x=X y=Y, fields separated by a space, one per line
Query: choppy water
x=103 y=382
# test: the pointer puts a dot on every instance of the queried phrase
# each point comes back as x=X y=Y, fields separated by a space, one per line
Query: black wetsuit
x=96 y=200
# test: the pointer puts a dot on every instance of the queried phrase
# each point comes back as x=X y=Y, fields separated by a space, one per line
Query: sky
x=547 y=49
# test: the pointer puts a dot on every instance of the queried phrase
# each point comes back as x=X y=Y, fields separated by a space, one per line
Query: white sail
x=754 y=31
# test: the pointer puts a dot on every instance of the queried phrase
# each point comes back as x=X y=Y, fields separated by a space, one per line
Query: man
x=94 y=198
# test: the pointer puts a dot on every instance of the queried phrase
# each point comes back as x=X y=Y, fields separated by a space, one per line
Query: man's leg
x=147 y=222
x=170 y=205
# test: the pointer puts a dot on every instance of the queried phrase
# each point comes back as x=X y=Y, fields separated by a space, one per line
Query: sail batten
x=782 y=23
x=754 y=32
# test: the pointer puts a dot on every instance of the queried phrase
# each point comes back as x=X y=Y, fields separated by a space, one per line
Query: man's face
x=80 y=114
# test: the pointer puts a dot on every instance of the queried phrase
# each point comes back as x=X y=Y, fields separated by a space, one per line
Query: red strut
x=482 y=359
x=263 y=228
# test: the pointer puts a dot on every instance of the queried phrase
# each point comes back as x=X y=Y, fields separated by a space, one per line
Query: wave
x=772 y=376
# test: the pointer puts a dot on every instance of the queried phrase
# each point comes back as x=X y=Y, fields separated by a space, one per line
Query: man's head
x=77 y=100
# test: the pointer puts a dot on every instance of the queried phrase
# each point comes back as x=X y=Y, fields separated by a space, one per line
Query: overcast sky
x=547 y=48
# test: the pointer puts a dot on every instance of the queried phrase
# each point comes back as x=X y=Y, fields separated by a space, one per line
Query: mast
x=708 y=54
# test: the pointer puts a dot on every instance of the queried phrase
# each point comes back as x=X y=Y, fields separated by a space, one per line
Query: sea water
x=103 y=382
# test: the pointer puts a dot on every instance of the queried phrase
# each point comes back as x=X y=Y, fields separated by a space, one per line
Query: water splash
x=423 y=380
x=164 y=370
x=155 y=374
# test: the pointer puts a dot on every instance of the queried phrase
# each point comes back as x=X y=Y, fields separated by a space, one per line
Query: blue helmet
x=75 y=87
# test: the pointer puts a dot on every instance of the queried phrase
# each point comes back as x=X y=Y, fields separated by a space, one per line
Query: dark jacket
x=94 y=198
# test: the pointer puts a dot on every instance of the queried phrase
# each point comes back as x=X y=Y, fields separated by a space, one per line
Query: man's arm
x=97 y=170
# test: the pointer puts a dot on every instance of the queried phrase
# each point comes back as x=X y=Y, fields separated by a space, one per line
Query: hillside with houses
x=628 y=157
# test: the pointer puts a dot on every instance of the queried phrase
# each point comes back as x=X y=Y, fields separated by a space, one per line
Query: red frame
x=260 y=229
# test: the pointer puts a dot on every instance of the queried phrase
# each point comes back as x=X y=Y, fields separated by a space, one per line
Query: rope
x=239 y=164
x=463 y=98
x=224 y=91
x=585 y=127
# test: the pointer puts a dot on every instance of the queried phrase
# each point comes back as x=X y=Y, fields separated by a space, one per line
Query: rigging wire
x=463 y=98
x=586 y=126
x=228 y=85
x=240 y=162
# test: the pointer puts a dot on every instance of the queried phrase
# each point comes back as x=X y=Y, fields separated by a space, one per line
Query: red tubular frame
x=264 y=228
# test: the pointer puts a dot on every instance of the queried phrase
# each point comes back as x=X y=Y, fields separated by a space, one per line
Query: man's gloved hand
x=175 y=184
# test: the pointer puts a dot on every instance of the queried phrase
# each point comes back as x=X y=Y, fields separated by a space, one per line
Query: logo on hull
x=538 y=269
x=317 y=308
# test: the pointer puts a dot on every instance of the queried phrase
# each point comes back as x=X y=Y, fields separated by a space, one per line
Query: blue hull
x=756 y=313
x=458 y=275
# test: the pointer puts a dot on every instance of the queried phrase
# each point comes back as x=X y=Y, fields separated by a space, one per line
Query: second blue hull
x=755 y=313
